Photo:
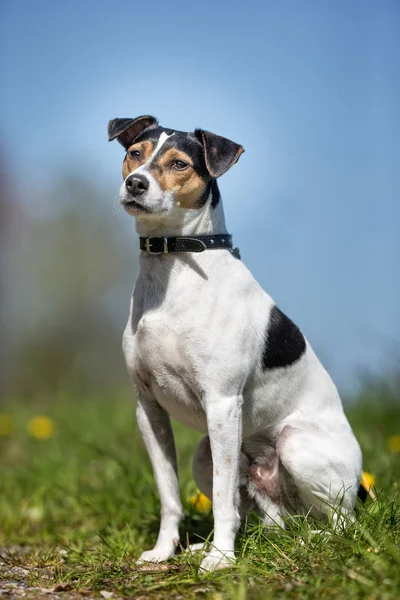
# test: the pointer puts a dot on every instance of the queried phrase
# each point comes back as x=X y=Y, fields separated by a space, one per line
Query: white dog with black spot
x=207 y=345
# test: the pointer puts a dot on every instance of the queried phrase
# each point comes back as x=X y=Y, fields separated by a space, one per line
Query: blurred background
x=310 y=89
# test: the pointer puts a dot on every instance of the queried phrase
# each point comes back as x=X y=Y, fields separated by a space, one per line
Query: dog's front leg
x=224 y=420
x=155 y=427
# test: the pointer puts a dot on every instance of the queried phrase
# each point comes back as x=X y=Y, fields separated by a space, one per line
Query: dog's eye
x=179 y=165
x=135 y=154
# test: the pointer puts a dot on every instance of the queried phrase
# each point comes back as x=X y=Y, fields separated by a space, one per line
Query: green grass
x=79 y=508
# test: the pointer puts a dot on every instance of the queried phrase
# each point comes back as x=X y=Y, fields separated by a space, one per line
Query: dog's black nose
x=137 y=184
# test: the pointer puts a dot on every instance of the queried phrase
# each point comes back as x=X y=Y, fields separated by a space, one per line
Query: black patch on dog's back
x=284 y=343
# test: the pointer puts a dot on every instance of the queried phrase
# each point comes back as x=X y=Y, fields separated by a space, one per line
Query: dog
x=208 y=346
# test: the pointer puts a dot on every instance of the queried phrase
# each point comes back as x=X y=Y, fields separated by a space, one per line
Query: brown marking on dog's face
x=187 y=185
x=132 y=161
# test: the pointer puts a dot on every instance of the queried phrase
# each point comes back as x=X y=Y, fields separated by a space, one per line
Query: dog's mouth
x=134 y=206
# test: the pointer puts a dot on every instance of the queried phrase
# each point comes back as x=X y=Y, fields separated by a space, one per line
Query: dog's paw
x=200 y=547
x=156 y=555
x=216 y=560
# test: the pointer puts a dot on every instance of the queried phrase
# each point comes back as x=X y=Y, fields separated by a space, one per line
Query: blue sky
x=309 y=88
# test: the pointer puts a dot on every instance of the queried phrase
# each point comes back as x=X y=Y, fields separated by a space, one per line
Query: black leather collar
x=198 y=243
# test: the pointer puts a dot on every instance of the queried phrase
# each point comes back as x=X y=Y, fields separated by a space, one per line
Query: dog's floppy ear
x=126 y=130
x=219 y=152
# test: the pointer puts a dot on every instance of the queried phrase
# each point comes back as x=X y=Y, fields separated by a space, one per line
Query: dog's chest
x=157 y=351
x=193 y=329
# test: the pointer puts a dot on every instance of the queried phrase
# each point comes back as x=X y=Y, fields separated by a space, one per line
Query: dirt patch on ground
x=30 y=581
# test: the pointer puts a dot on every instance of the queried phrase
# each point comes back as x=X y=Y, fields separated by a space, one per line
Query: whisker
x=116 y=205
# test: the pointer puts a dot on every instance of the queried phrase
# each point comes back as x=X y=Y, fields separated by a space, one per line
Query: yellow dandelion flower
x=6 y=424
x=368 y=482
x=200 y=502
x=393 y=444
x=41 y=428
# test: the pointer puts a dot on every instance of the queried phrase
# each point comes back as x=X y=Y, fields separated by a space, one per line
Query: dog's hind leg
x=264 y=487
x=259 y=484
x=202 y=467
x=325 y=467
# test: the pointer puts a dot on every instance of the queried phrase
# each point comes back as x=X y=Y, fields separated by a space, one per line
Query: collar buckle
x=148 y=246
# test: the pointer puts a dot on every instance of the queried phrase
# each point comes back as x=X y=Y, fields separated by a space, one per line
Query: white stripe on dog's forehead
x=144 y=168
x=161 y=141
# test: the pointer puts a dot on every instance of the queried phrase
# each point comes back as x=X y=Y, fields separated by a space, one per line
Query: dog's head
x=165 y=169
